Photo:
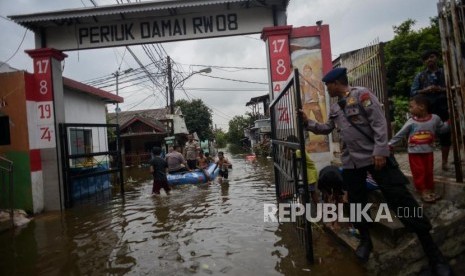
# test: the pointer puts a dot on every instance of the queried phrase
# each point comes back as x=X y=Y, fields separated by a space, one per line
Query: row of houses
x=141 y=130
x=257 y=136
x=90 y=139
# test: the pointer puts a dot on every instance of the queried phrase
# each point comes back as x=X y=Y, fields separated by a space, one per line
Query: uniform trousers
x=392 y=183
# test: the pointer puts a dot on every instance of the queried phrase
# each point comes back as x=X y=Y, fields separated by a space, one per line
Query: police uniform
x=363 y=109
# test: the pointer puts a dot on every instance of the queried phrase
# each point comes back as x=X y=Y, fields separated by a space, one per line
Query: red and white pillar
x=279 y=58
x=45 y=109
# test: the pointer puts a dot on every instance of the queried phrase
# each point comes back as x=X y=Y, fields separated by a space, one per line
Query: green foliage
x=262 y=148
x=403 y=54
x=220 y=138
x=198 y=117
x=400 y=112
x=236 y=128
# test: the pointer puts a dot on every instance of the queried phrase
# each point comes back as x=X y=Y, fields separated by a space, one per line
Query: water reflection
x=208 y=229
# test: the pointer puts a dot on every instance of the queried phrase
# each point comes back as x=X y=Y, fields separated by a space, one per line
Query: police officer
x=363 y=128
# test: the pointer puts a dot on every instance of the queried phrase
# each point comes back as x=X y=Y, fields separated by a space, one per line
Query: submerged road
x=215 y=229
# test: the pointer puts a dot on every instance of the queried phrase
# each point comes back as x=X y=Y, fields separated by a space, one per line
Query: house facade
x=258 y=135
x=79 y=103
x=141 y=130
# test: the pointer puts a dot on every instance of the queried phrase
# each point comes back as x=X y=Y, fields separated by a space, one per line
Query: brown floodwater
x=215 y=229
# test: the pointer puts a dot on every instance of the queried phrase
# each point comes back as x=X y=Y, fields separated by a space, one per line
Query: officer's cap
x=334 y=74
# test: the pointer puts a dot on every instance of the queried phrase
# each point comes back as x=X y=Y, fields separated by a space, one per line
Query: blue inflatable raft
x=194 y=177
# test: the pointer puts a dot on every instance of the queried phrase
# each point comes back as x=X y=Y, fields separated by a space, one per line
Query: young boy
x=209 y=158
x=421 y=130
x=223 y=163
x=202 y=161
x=312 y=173
x=159 y=169
x=330 y=184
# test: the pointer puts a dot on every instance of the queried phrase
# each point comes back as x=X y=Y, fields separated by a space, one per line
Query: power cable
x=228 y=67
x=17 y=49
x=213 y=77
x=225 y=89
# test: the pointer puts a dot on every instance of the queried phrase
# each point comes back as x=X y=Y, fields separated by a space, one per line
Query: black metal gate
x=89 y=162
x=6 y=187
x=288 y=144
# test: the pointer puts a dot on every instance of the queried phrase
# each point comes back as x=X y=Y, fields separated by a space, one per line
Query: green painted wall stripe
x=21 y=182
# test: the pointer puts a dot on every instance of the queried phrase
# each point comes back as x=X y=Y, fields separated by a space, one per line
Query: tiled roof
x=153 y=123
x=149 y=114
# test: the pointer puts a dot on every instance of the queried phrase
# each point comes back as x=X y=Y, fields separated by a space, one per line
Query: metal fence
x=6 y=186
x=89 y=167
x=452 y=28
x=365 y=67
x=288 y=144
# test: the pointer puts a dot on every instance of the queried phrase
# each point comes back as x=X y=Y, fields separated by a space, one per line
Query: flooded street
x=214 y=229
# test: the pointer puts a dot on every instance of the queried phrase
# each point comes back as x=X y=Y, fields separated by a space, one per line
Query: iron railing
x=7 y=186
x=289 y=169
x=88 y=160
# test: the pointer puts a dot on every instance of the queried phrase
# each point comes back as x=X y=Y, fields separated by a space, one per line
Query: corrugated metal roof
x=53 y=18
x=102 y=94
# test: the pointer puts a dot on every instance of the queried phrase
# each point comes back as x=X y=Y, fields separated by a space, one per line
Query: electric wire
x=17 y=49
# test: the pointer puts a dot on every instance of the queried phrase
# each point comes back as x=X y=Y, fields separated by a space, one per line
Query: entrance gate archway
x=133 y=24
x=120 y=25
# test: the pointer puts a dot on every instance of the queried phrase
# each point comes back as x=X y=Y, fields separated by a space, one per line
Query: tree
x=236 y=128
x=220 y=138
x=198 y=117
x=403 y=61
x=403 y=54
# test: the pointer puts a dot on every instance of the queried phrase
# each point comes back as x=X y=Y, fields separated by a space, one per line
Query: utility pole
x=167 y=97
x=117 y=110
x=117 y=74
x=170 y=86
x=119 y=159
x=118 y=137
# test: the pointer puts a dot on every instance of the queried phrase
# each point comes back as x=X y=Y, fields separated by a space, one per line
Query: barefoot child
x=421 y=130
x=331 y=186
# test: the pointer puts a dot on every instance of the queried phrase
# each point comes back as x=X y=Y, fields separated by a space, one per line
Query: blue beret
x=334 y=74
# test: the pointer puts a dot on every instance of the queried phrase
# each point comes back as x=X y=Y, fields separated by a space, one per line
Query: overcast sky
x=353 y=24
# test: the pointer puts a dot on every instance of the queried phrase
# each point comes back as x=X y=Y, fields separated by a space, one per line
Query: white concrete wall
x=82 y=108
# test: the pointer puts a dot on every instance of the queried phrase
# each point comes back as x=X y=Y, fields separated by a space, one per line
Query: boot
x=438 y=263
x=365 y=246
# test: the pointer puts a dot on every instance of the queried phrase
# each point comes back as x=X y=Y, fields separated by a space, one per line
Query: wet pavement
x=402 y=158
x=215 y=229
x=446 y=183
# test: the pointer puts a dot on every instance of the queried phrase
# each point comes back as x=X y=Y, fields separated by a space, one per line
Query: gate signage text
x=159 y=29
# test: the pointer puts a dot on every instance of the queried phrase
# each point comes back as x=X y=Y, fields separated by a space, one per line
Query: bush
x=262 y=149
x=401 y=112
